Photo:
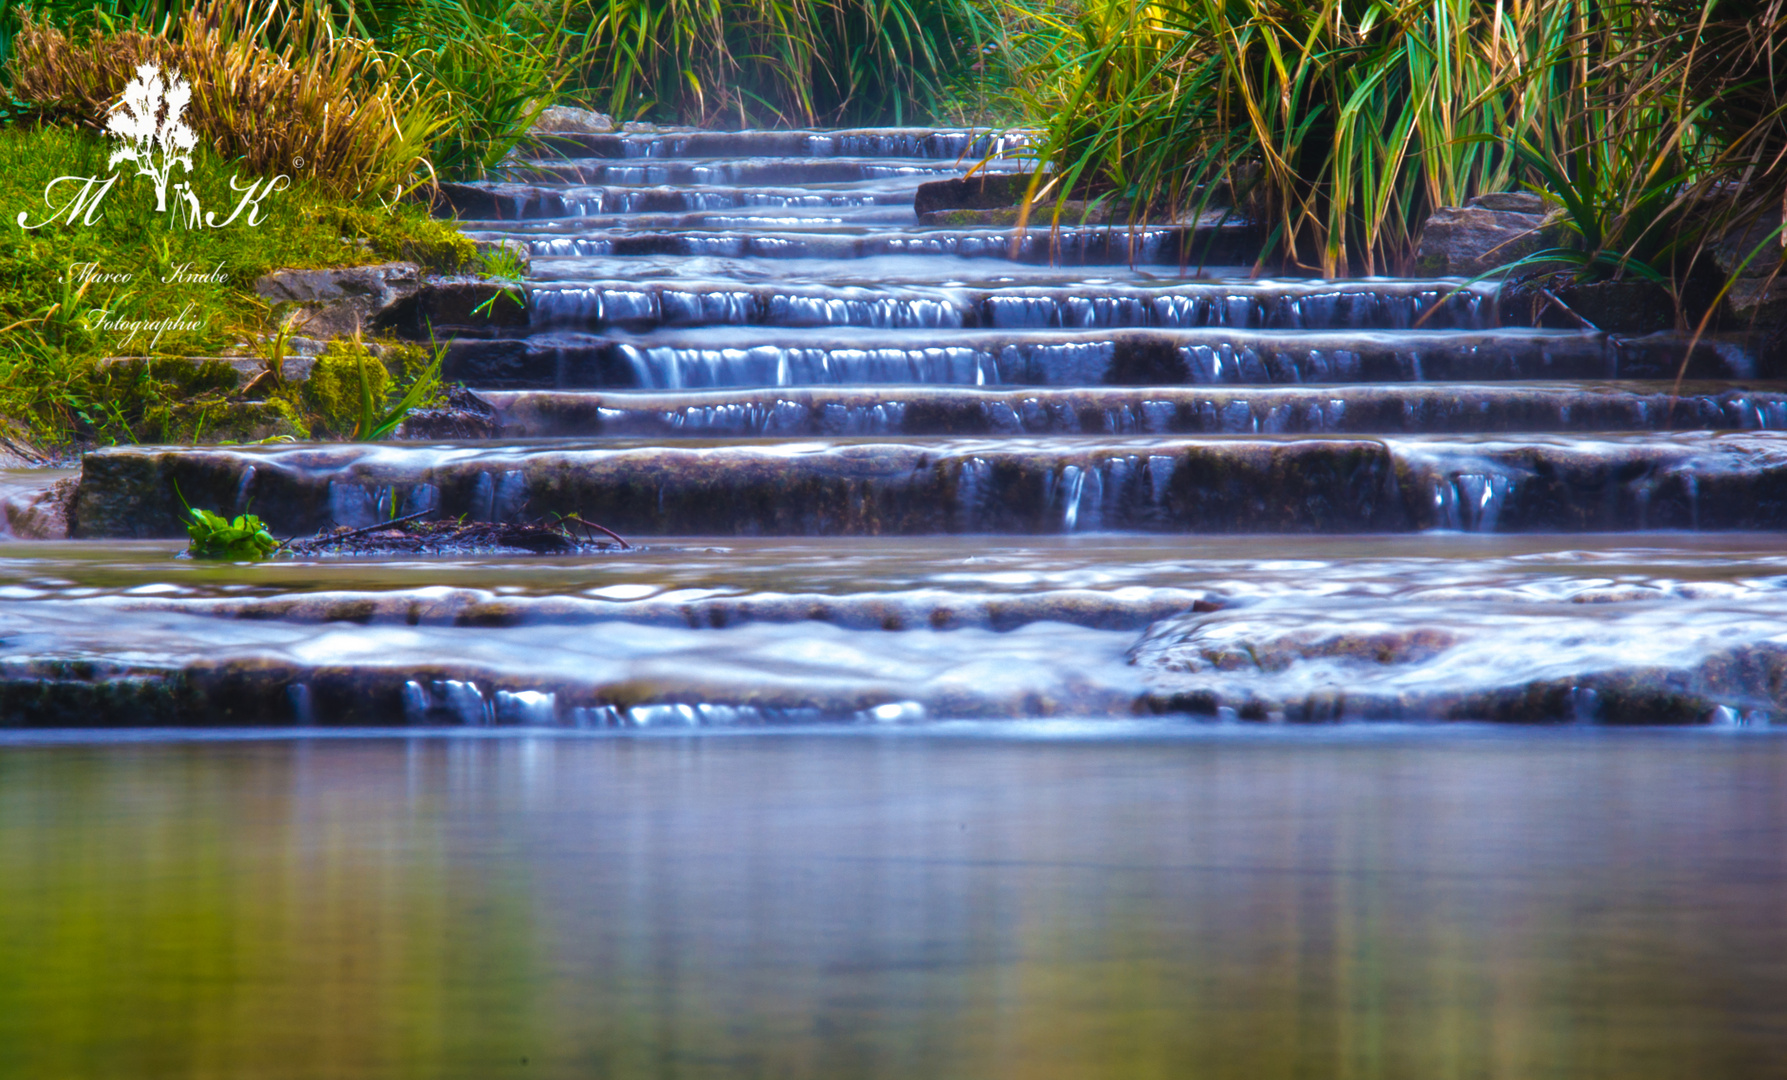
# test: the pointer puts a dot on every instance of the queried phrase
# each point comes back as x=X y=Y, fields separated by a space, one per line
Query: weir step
x=795 y=356
x=1212 y=484
x=488 y=203
x=857 y=142
x=773 y=171
x=879 y=471
x=1427 y=408
x=1217 y=241
x=484 y=662
x=1265 y=305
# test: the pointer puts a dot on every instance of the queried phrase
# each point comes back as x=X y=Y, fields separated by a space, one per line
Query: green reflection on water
x=1506 y=906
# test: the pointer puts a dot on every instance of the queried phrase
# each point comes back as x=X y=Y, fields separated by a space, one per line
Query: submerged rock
x=895 y=612
x=453 y=538
x=462 y=415
x=1757 y=301
x=1556 y=301
x=1631 y=663
x=40 y=514
x=159 y=668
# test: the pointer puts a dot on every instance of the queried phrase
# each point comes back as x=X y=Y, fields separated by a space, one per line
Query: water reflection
x=1357 y=904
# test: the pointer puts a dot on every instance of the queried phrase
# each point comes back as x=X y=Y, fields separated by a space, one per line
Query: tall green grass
x=492 y=65
x=779 y=62
x=1343 y=123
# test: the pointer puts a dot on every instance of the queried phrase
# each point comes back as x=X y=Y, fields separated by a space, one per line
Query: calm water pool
x=1027 y=901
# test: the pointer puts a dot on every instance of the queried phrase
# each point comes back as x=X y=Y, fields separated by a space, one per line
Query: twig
x=372 y=528
x=1568 y=310
x=624 y=546
x=24 y=452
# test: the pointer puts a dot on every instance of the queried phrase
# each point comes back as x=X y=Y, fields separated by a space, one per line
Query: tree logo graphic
x=149 y=124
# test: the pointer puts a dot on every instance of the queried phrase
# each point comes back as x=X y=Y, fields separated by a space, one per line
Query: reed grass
x=280 y=88
x=492 y=66
x=1344 y=124
x=778 y=62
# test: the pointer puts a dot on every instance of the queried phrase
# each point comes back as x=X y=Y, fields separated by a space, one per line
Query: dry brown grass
x=276 y=86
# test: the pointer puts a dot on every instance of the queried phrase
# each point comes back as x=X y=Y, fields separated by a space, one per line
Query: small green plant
x=272 y=353
x=503 y=266
x=243 y=539
x=376 y=420
x=501 y=262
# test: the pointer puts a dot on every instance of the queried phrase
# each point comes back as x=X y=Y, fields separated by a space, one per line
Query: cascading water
x=939 y=470
x=1060 y=533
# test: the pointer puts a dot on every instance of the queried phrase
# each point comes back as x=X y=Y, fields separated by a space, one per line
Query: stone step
x=751 y=356
x=1213 y=484
x=927 y=411
x=1672 y=628
x=437 y=657
x=1247 y=305
x=768 y=171
x=1220 y=242
x=866 y=215
x=901 y=270
x=494 y=201
x=660 y=143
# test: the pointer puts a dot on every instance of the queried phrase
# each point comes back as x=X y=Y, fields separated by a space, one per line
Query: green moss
x=333 y=389
x=283 y=409
x=1008 y=216
x=409 y=360
x=428 y=242
x=1432 y=266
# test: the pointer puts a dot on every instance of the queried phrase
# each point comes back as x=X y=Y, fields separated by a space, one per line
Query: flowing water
x=1037 y=540
x=883 y=470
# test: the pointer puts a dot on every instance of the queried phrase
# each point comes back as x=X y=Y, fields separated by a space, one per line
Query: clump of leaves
x=1620 y=225
x=242 y=539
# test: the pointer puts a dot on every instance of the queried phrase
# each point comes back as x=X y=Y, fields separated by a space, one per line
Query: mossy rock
x=333 y=389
